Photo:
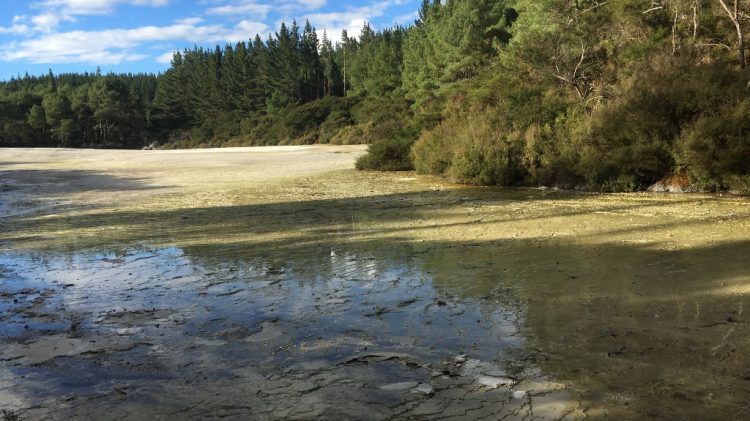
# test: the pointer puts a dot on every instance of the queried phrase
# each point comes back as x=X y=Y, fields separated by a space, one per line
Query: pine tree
x=285 y=62
x=331 y=72
x=311 y=66
x=37 y=120
x=171 y=101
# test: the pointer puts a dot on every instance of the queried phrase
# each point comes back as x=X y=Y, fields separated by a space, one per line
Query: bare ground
x=280 y=283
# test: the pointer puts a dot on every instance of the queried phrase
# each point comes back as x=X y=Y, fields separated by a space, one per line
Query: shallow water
x=335 y=331
x=366 y=320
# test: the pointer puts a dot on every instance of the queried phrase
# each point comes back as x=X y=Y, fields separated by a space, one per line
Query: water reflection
x=636 y=330
x=520 y=328
x=323 y=319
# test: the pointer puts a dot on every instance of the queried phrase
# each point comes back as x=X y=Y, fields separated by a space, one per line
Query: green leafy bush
x=715 y=151
x=470 y=150
x=391 y=154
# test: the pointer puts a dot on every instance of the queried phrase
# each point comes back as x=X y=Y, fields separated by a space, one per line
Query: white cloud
x=246 y=30
x=352 y=20
x=189 y=21
x=337 y=19
x=165 y=58
x=333 y=32
x=311 y=4
x=256 y=8
x=15 y=29
x=55 y=11
x=113 y=46
x=47 y=22
x=93 y=7
x=242 y=8
x=407 y=19
x=40 y=41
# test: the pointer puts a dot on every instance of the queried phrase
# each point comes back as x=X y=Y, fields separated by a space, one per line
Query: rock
x=304 y=387
x=429 y=407
x=51 y=347
x=470 y=366
x=519 y=394
x=234 y=333
x=399 y=386
x=269 y=331
x=494 y=382
x=675 y=183
x=336 y=301
x=475 y=368
x=384 y=356
x=425 y=388
x=314 y=365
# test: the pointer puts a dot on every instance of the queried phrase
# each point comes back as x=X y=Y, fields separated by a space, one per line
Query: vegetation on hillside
x=570 y=93
x=601 y=95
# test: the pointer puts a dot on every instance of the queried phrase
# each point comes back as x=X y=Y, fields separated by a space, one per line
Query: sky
x=141 y=35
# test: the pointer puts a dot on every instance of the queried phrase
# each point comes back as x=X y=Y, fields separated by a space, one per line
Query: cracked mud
x=280 y=284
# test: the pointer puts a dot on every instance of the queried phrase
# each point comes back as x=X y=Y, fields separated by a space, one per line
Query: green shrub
x=349 y=135
x=470 y=150
x=377 y=111
x=391 y=154
x=432 y=152
x=715 y=151
x=334 y=123
x=628 y=142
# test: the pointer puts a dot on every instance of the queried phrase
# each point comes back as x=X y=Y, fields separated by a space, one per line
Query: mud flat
x=279 y=283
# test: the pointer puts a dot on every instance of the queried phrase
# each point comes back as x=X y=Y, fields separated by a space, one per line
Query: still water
x=552 y=329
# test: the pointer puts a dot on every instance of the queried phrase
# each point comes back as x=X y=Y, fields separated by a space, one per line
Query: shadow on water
x=275 y=308
x=638 y=332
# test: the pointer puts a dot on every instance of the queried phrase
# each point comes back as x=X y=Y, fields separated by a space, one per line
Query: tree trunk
x=734 y=16
x=674 y=33
x=740 y=44
x=695 y=21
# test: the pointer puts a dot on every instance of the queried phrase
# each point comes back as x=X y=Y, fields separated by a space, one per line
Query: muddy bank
x=281 y=284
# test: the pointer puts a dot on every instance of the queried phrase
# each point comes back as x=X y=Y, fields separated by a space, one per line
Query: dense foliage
x=593 y=94
x=570 y=93
x=77 y=110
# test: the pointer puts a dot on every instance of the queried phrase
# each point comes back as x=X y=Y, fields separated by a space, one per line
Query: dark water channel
x=516 y=330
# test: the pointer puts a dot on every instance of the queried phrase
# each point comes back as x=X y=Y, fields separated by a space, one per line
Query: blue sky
x=140 y=35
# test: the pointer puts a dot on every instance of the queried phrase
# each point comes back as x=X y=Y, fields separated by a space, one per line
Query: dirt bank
x=280 y=283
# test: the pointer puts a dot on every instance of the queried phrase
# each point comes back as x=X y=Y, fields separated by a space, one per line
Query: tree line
x=251 y=92
x=77 y=110
x=572 y=93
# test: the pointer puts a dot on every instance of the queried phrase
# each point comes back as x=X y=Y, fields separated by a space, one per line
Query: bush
x=470 y=150
x=391 y=154
x=628 y=142
x=377 y=111
x=715 y=151
x=334 y=123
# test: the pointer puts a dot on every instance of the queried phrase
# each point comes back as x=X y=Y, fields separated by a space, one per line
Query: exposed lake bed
x=279 y=283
